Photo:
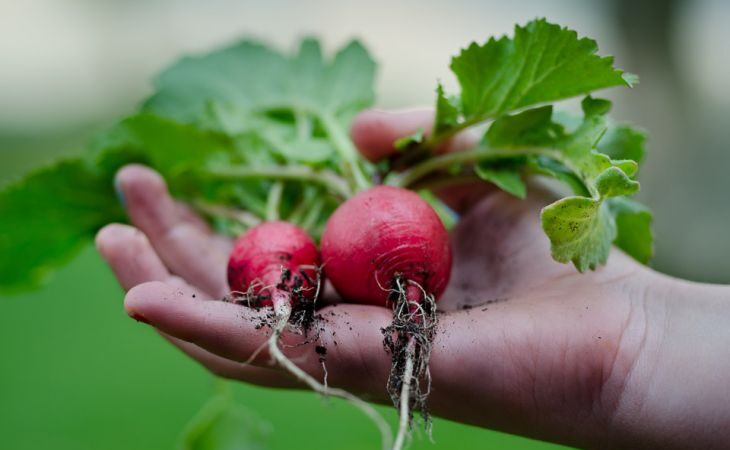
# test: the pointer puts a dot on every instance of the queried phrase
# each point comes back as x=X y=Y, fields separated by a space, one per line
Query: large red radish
x=274 y=261
x=383 y=234
x=386 y=246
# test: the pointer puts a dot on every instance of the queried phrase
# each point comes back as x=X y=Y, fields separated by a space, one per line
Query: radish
x=274 y=263
x=277 y=264
x=386 y=246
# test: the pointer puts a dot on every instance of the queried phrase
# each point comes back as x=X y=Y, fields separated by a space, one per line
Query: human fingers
x=186 y=246
x=347 y=338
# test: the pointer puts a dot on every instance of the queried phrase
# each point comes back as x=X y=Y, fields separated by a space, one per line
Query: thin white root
x=409 y=339
x=282 y=310
x=255 y=354
x=405 y=398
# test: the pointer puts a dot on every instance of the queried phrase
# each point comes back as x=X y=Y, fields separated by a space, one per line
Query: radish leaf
x=581 y=228
x=633 y=228
x=542 y=63
x=623 y=141
x=505 y=176
x=251 y=79
x=48 y=216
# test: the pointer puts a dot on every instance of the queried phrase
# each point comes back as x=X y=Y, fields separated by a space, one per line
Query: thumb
x=374 y=131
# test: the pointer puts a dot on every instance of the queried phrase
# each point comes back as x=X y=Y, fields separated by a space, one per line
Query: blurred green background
x=76 y=373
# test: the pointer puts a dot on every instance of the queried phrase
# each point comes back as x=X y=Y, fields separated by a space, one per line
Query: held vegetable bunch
x=257 y=142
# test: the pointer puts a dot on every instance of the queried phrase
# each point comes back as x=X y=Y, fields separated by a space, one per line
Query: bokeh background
x=75 y=373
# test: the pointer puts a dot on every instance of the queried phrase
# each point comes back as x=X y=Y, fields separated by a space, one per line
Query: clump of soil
x=304 y=318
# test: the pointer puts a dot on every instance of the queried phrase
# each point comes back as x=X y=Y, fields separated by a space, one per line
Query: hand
x=622 y=357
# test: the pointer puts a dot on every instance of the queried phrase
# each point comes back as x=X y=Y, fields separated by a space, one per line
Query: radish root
x=284 y=314
x=409 y=340
x=405 y=399
x=282 y=310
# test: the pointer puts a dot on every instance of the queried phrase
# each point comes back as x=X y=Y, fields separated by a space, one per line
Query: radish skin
x=380 y=234
x=274 y=260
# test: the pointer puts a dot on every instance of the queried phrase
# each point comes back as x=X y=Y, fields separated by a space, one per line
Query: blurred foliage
x=224 y=424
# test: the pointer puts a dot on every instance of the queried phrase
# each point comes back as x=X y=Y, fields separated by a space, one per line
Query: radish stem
x=346 y=149
x=241 y=216
x=311 y=218
x=273 y=201
x=481 y=153
x=326 y=178
x=310 y=194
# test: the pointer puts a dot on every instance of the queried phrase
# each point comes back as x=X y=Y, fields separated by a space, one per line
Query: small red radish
x=383 y=234
x=277 y=264
x=386 y=246
x=274 y=261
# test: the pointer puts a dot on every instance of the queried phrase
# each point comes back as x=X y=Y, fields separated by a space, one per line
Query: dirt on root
x=411 y=334
x=304 y=318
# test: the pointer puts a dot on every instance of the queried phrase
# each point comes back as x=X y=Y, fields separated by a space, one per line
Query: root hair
x=409 y=340
x=295 y=310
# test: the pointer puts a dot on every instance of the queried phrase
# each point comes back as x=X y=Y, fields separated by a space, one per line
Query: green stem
x=303 y=124
x=245 y=218
x=303 y=205
x=440 y=183
x=325 y=178
x=434 y=140
x=313 y=214
x=417 y=172
x=273 y=201
x=208 y=414
x=347 y=151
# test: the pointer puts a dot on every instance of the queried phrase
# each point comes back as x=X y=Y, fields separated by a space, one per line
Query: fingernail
x=139 y=318
x=118 y=190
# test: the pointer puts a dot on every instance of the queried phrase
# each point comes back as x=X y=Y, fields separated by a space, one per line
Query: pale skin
x=623 y=357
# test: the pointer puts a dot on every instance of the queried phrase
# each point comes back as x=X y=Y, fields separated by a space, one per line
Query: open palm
x=525 y=345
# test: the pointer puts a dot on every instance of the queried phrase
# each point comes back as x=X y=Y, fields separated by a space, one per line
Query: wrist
x=676 y=393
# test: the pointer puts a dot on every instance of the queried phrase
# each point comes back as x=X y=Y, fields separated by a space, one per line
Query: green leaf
x=313 y=151
x=623 y=141
x=411 y=140
x=447 y=112
x=581 y=228
x=222 y=424
x=580 y=143
x=185 y=154
x=284 y=100
x=614 y=182
x=541 y=165
x=48 y=216
x=247 y=74
x=581 y=231
x=448 y=217
x=544 y=62
x=167 y=146
x=633 y=222
x=250 y=78
x=506 y=176
x=348 y=82
x=533 y=127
